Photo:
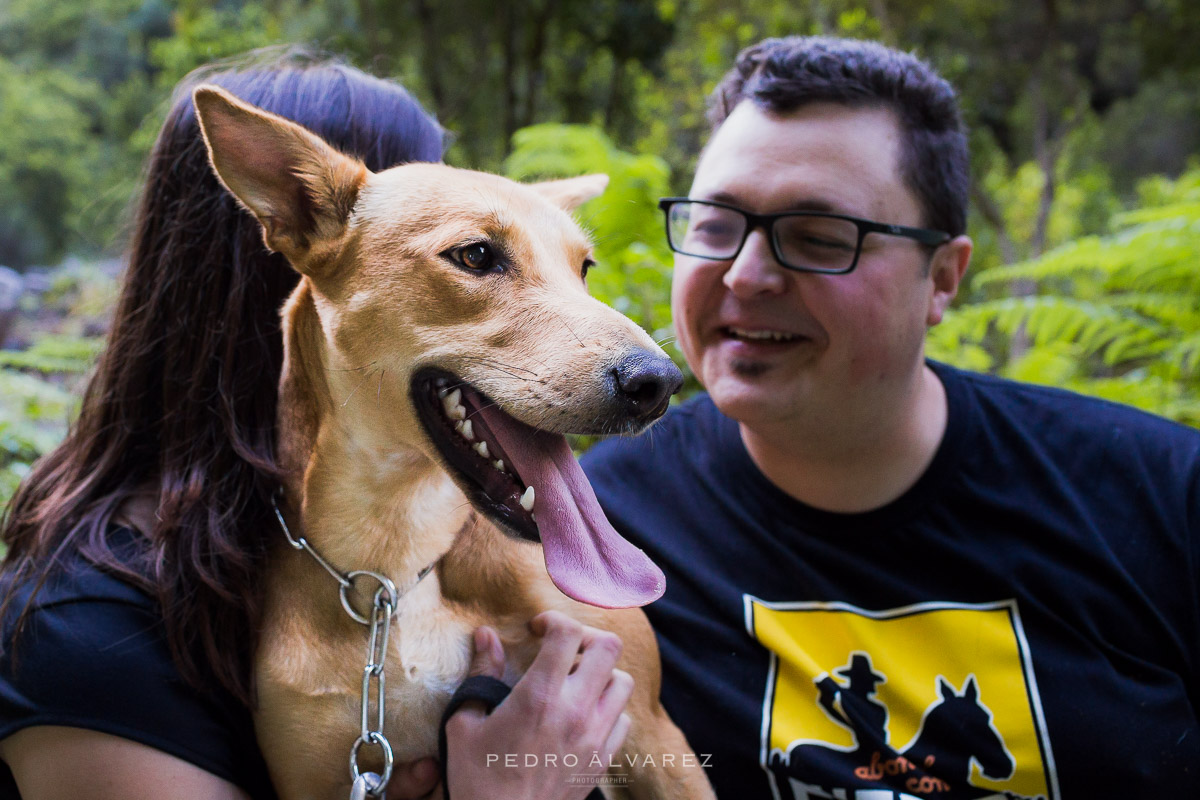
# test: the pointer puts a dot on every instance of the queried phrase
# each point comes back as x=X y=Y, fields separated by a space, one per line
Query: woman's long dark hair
x=183 y=400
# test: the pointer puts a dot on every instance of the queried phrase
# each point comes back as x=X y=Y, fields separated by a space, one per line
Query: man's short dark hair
x=780 y=75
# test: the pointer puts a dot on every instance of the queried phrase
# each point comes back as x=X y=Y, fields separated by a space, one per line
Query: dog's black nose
x=643 y=383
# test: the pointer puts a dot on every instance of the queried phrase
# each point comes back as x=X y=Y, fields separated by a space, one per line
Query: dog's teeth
x=465 y=429
x=527 y=499
x=452 y=405
x=533 y=516
x=498 y=464
x=481 y=448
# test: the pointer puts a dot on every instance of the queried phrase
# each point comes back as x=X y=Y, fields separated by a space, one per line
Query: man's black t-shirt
x=1023 y=622
x=93 y=654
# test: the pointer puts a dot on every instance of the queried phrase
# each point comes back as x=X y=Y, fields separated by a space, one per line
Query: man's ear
x=946 y=269
x=300 y=189
x=570 y=193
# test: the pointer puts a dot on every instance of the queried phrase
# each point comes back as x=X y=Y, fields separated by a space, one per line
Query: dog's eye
x=587 y=264
x=478 y=256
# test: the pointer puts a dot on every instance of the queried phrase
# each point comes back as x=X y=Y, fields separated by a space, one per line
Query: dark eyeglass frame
x=925 y=236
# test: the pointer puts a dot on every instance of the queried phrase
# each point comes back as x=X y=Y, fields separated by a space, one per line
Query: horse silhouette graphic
x=955 y=731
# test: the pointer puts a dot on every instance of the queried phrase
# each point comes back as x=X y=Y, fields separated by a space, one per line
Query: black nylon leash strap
x=489 y=691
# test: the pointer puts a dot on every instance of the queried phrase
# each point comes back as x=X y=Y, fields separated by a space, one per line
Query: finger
x=601 y=650
x=488 y=658
x=561 y=637
x=413 y=780
x=609 y=642
x=616 y=737
x=614 y=698
x=466 y=722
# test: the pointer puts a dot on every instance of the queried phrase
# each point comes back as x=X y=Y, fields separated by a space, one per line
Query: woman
x=129 y=603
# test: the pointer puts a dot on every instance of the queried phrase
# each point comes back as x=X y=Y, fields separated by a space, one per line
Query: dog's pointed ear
x=570 y=193
x=301 y=189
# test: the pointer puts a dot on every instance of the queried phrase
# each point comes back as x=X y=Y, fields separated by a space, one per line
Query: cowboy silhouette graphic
x=859 y=710
x=956 y=730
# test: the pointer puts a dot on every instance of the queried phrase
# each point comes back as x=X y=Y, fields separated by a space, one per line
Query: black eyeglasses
x=808 y=241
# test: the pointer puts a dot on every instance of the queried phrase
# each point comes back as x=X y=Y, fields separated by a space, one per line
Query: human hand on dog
x=414 y=780
x=570 y=702
x=556 y=707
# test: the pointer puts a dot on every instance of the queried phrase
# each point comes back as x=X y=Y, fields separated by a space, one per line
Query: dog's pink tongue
x=586 y=558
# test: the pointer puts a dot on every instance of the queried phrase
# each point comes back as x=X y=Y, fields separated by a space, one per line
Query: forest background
x=1084 y=122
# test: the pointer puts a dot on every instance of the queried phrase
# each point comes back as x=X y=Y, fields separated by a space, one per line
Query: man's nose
x=754 y=270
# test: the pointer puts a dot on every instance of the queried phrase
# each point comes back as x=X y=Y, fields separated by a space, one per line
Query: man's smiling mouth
x=759 y=335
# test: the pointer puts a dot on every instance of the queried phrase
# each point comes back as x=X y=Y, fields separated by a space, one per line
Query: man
x=888 y=578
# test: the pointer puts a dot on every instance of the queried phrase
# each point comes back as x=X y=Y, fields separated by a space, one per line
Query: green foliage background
x=1084 y=120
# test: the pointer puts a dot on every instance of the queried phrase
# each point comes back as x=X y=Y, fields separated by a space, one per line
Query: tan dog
x=440 y=342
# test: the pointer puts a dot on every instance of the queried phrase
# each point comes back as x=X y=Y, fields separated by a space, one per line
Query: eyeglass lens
x=811 y=242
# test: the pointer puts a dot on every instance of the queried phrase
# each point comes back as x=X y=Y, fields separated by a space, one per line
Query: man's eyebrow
x=806 y=204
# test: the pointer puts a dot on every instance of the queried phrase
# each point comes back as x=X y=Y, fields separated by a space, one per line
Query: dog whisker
x=501 y=367
x=608 y=237
x=492 y=404
x=353 y=369
x=589 y=219
x=568 y=327
x=493 y=362
x=360 y=383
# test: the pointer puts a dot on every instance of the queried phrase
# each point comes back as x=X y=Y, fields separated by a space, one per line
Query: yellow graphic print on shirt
x=934 y=701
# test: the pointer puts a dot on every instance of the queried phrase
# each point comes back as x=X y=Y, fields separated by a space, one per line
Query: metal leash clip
x=368 y=783
x=365 y=785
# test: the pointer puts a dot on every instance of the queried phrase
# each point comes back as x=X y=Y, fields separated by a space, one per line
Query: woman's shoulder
x=92 y=653
x=76 y=581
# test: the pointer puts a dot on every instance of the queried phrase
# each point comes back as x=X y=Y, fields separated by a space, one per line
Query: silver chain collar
x=386 y=602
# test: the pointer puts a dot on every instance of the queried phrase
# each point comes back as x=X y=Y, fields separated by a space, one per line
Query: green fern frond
x=1183 y=215
x=1080 y=256
x=1185 y=354
x=959 y=353
x=1172 y=309
x=1151 y=249
x=1166 y=272
x=1098 y=329
x=1136 y=389
x=1054 y=364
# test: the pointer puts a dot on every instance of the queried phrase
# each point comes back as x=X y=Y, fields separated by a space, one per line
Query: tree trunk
x=1044 y=153
x=534 y=72
x=431 y=58
x=880 y=11
x=991 y=212
x=508 y=36
x=370 y=23
x=616 y=86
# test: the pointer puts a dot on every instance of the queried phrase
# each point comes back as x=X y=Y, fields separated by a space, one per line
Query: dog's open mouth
x=453 y=415
x=528 y=481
